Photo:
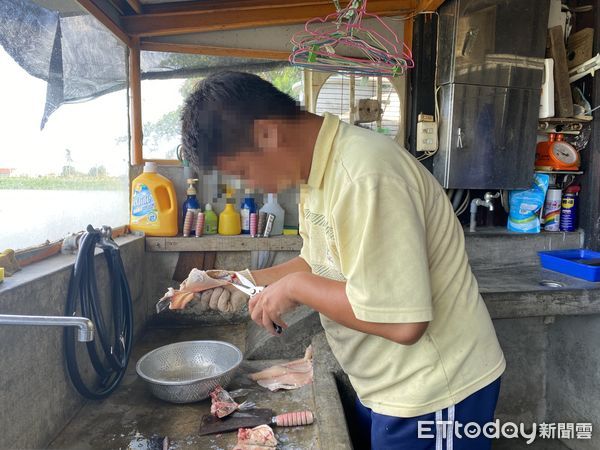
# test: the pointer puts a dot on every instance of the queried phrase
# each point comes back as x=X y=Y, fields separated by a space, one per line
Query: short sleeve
x=304 y=252
x=379 y=227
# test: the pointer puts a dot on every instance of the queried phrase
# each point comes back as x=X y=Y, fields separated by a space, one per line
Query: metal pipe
x=458 y=199
x=85 y=325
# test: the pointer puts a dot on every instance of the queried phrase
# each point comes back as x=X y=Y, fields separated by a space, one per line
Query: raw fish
x=212 y=288
x=258 y=438
x=222 y=404
x=291 y=375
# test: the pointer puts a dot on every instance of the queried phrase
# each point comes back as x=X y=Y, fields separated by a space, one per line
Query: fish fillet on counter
x=258 y=438
x=291 y=375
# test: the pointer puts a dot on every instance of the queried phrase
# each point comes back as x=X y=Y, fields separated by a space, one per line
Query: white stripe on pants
x=440 y=429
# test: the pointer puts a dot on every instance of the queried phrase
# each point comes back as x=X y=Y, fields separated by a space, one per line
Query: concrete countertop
x=131 y=417
x=516 y=291
x=218 y=243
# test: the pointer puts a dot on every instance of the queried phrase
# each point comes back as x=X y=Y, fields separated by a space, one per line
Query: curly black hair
x=218 y=116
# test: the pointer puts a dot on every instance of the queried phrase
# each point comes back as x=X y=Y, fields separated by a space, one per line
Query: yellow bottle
x=230 y=221
x=153 y=204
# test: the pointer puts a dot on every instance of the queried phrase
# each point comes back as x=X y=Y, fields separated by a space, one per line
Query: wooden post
x=135 y=103
x=308 y=91
x=408 y=32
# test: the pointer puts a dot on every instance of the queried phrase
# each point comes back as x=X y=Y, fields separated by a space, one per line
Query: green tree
x=168 y=127
x=97 y=171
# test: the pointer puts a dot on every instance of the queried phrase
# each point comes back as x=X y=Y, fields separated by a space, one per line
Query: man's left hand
x=267 y=307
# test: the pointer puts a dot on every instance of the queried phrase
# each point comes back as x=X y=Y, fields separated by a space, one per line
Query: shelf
x=217 y=243
x=561 y=172
x=570 y=133
x=583 y=119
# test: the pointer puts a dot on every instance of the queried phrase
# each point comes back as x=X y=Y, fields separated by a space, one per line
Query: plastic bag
x=526 y=205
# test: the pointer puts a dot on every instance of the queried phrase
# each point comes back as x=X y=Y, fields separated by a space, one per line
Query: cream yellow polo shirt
x=374 y=217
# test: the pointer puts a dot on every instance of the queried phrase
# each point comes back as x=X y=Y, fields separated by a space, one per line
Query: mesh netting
x=57 y=41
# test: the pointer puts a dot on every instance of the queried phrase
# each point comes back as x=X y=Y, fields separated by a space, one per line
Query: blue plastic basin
x=578 y=263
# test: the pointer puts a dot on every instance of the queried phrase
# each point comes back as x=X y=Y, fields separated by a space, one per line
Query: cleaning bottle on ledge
x=230 y=220
x=272 y=207
x=191 y=202
x=248 y=207
x=210 y=220
x=153 y=204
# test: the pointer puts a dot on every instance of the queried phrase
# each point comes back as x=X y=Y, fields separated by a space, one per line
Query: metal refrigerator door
x=487 y=137
x=492 y=42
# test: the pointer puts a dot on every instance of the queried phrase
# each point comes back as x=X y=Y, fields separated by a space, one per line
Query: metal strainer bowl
x=186 y=372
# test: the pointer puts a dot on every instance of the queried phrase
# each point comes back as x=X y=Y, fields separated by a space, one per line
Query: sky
x=90 y=130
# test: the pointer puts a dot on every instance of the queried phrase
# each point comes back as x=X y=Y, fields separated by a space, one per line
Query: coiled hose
x=109 y=352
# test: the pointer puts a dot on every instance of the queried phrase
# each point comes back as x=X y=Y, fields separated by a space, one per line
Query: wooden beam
x=213 y=51
x=238 y=14
x=135 y=103
x=136 y=6
x=408 y=32
x=100 y=14
x=428 y=5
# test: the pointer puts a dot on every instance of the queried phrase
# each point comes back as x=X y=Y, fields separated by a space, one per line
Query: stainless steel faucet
x=85 y=325
x=476 y=202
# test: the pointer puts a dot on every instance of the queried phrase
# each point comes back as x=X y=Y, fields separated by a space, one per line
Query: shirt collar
x=322 y=150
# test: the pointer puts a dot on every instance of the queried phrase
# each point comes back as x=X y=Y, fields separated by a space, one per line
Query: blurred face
x=272 y=165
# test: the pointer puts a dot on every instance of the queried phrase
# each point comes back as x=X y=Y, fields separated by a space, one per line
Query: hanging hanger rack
x=341 y=42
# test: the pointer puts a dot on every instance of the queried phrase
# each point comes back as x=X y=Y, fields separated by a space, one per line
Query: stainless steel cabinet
x=490 y=71
x=488 y=137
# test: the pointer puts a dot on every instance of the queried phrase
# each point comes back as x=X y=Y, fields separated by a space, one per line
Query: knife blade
x=260 y=416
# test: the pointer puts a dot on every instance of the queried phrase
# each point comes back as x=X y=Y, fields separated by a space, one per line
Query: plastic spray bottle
x=191 y=202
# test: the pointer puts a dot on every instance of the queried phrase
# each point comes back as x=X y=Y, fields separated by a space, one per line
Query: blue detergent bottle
x=248 y=207
x=191 y=202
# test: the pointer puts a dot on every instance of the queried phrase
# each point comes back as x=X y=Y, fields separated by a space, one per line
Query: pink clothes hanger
x=326 y=43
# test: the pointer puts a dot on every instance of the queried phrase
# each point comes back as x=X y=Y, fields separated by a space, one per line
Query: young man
x=383 y=260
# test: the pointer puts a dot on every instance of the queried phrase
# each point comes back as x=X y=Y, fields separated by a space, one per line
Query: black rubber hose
x=110 y=350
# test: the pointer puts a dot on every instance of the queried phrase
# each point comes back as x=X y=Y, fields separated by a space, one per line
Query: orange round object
x=556 y=154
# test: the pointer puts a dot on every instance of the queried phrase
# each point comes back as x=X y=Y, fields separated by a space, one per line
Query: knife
x=211 y=424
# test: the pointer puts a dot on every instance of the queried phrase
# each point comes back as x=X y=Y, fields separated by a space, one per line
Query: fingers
x=198 y=300
x=267 y=323
x=223 y=303
x=237 y=300
x=264 y=315
x=214 y=298
x=205 y=300
x=254 y=300
x=256 y=309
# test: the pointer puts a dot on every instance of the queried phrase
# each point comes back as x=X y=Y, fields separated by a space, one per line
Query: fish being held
x=258 y=438
x=222 y=403
x=212 y=289
x=291 y=375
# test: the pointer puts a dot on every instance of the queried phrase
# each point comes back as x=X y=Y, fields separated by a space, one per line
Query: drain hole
x=552 y=284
